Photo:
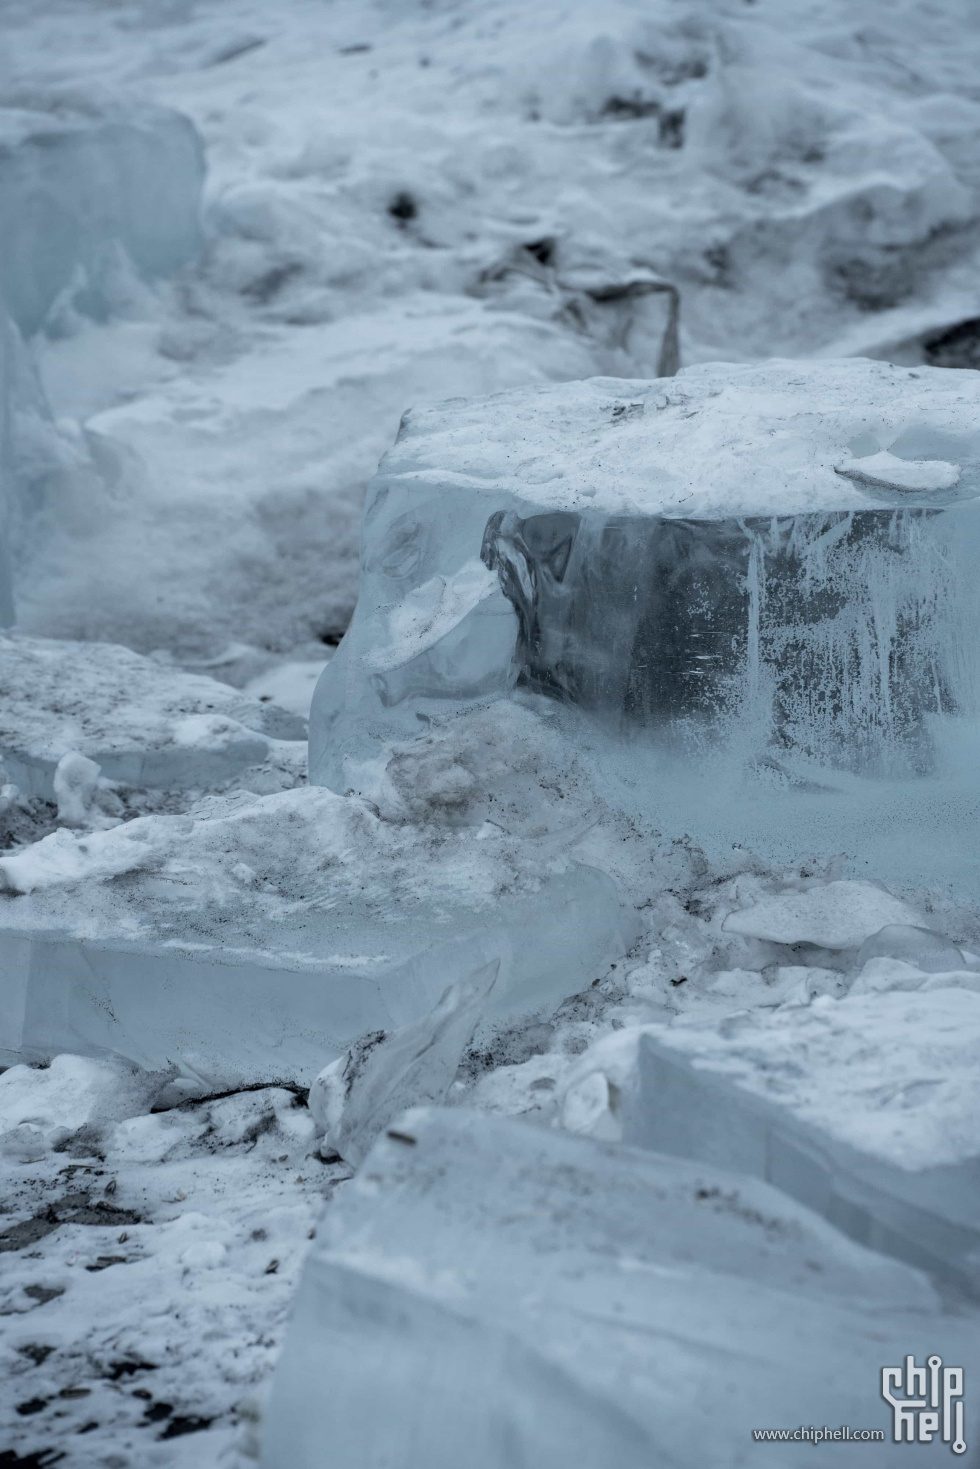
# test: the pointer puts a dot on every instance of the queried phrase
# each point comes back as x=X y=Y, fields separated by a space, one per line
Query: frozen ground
x=405 y=203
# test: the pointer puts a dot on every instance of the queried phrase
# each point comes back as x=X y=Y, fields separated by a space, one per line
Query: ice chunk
x=355 y=1098
x=490 y=1293
x=88 y=192
x=863 y=1108
x=913 y=944
x=743 y=642
x=75 y=780
x=145 y=723
x=833 y=915
x=260 y=937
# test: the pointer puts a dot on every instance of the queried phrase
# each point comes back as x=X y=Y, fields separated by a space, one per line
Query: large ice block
x=747 y=592
x=258 y=937
x=146 y=724
x=494 y=1294
x=864 y=1108
x=87 y=192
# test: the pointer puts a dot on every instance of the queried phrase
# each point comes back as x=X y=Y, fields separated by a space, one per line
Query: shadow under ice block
x=748 y=594
x=494 y=1294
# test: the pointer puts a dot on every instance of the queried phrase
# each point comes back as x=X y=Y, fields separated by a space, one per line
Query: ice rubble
x=91 y=193
x=145 y=723
x=261 y=936
x=740 y=631
x=864 y=1108
x=490 y=1293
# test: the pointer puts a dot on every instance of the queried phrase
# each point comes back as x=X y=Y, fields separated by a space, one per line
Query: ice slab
x=863 y=1108
x=146 y=724
x=749 y=637
x=490 y=1293
x=259 y=938
x=89 y=192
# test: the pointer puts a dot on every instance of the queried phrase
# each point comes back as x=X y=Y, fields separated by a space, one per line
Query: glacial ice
x=863 y=1108
x=90 y=194
x=746 y=635
x=258 y=937
x=7 y=348
x=490 y=1293
x=146 y=724
x=355 y=1097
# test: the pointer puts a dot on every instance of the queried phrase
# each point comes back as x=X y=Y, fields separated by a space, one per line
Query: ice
x=355 y=1098
x=833 y=915
x=146 y=723
x=260 y=936
x=741 y=629
x=912 y=944
x=863 y=1108
x=90 y=193
x=490 y=1293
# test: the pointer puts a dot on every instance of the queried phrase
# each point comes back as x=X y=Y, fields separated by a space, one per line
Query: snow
x=719 y=440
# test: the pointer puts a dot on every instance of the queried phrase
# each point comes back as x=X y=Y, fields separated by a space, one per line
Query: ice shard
x=89 y=192
x=745 y=591
x=494 y=1294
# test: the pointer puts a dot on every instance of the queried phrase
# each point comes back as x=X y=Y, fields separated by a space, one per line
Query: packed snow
x=240 y=245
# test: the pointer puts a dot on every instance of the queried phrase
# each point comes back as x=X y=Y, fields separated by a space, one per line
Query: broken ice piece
x=886 y=471
x=75 y=779
x=863 y=1108
x=382 y=1074
x=834 y=915
x=257 y=940
x=145 y=724
x=488 y=1293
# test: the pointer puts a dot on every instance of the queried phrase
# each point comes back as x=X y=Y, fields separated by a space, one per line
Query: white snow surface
x=718 y=440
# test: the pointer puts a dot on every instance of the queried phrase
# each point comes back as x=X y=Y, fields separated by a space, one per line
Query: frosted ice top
x=719 y=439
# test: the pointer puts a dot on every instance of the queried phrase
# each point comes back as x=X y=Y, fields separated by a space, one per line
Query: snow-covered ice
x=865 y=1108
x=146 y=723
x=490 y=1293
x=258 y=936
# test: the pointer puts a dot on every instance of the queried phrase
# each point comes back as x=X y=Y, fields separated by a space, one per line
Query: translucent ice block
x=494 y=1294
x=257 y=939
x=862 y=1108
x=748 y=594
x=87 y=191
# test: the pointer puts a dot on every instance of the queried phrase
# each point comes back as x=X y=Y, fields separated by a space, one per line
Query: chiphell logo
x=926 y=1401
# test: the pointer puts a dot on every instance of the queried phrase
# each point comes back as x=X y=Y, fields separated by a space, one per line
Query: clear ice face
x=89 y=195
x=791 y=683
x=823 y=632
